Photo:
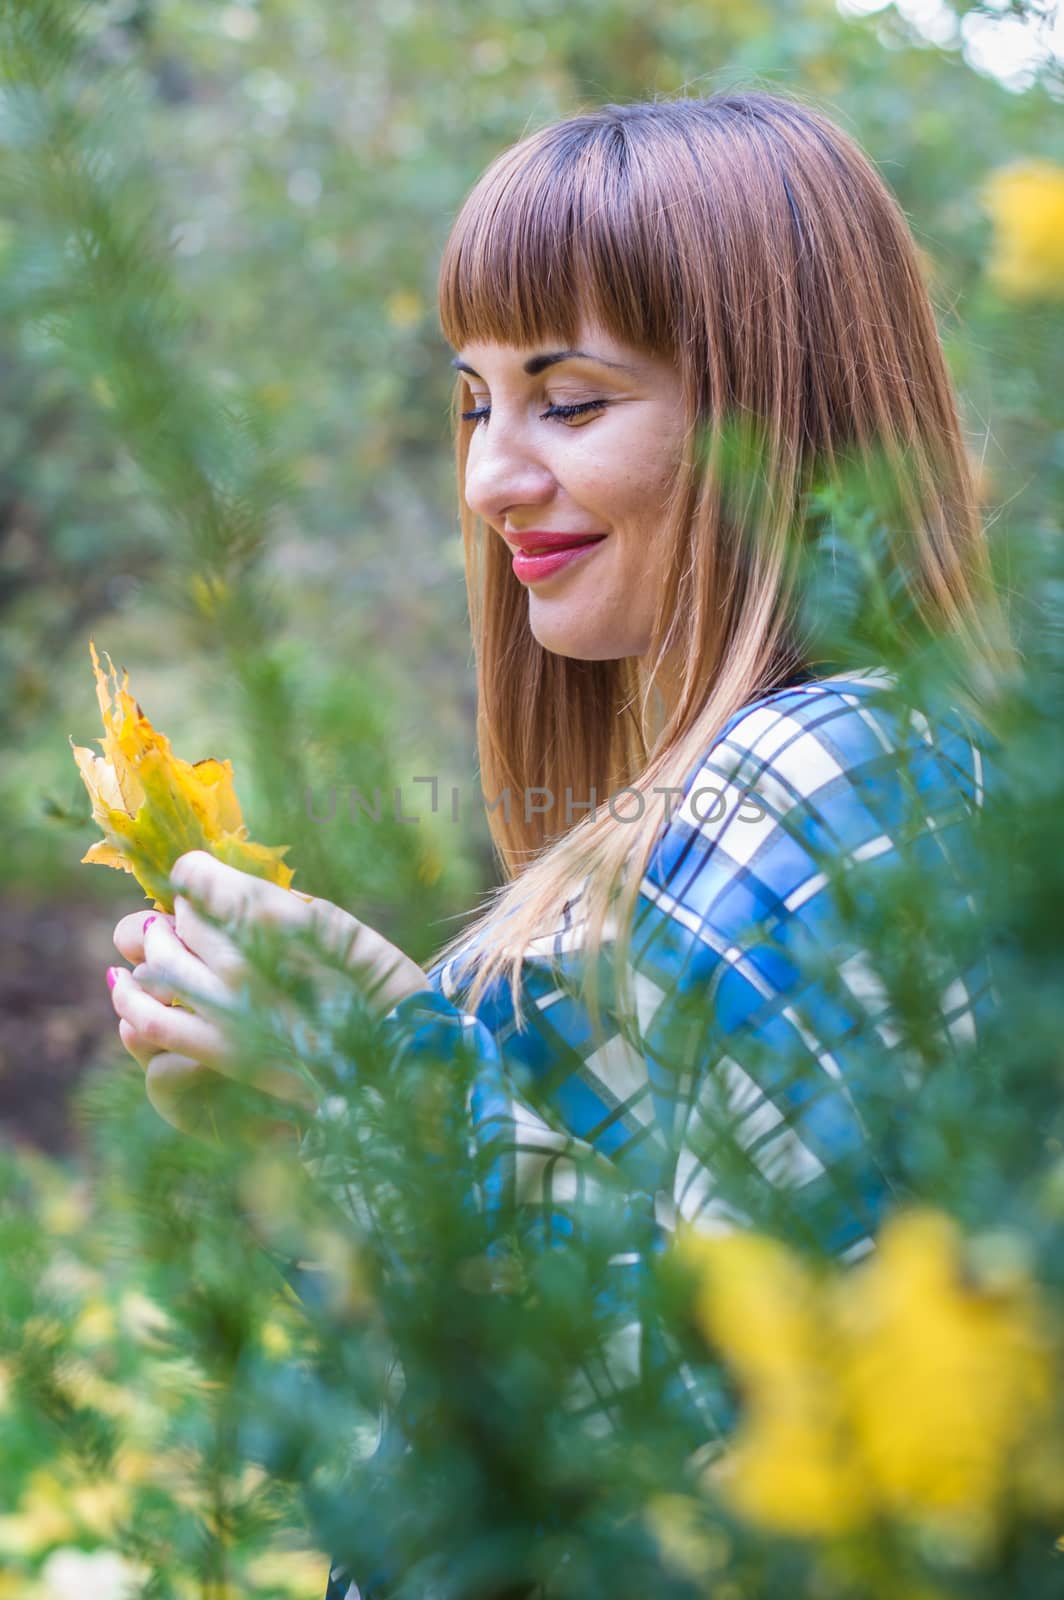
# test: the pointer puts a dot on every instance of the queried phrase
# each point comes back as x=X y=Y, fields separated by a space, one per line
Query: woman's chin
x=577 y=642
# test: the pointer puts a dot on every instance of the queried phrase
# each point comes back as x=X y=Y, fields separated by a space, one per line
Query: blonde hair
x=748 y=240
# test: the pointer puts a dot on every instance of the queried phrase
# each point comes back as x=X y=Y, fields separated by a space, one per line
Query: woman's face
x=605 y=470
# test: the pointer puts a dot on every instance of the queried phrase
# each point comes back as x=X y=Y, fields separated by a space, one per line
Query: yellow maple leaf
x=152 y=807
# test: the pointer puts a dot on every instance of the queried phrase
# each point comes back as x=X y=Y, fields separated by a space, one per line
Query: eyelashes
x=552 y=413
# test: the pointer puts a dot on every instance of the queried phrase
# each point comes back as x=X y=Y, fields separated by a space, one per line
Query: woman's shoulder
x=833 y=766
x=793 y=723
x=828 y=735
x=845 y=710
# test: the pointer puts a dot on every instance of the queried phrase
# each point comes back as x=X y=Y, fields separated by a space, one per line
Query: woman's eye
x=585 y=408
x=552 y=413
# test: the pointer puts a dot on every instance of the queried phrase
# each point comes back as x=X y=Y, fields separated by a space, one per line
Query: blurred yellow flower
x=789 y=1466
x=914 y=1386
x=274 y=396
x=1026 y=202
x=211 y=594
x=80 y=1382
x=100 y=387
x=101 y=1507
x=153 y=807
x=688 y=1546
x=276 y=1339
x=46 y=1330
x=295 y=1573
x=133 y=1465
x=96 y=1324
x=404 y=308
x=42 y=1517
x=63 y=1206
x=430 y=867
x=944 y=1375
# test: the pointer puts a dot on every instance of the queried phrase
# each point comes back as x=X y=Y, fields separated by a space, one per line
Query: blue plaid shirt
x=751 y=1009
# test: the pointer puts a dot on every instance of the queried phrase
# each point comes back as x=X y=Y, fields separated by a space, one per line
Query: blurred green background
x=298 y=164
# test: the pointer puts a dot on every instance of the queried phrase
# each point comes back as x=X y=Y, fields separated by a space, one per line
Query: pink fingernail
x=112 y=976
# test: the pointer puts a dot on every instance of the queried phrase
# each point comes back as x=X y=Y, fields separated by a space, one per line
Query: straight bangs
x=561 y=225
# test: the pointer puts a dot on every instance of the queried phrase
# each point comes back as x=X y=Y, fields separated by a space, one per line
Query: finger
x=175 y=1030
x=198 y=1102
x=152 y=984
x=225 y=893
x=139 y=1048
x=333 y=928
x=174 y=967
x=164 y=1027
x=388 y=973
x=129 y=933
x=175 y=1087
x=209 y=943
x=209 y=892
x=222 y=951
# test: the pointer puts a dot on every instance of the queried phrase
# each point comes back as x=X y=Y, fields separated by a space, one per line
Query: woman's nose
x=502 y=473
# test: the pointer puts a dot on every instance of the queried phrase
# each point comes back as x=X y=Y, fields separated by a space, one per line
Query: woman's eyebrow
x=537 y=364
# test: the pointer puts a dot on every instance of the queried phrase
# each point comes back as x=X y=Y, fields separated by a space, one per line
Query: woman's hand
x=185 y=956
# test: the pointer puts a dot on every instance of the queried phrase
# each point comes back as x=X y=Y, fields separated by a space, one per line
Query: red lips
x=538 y=539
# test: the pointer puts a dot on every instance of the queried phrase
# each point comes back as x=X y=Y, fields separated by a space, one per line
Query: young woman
x=626 y=293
